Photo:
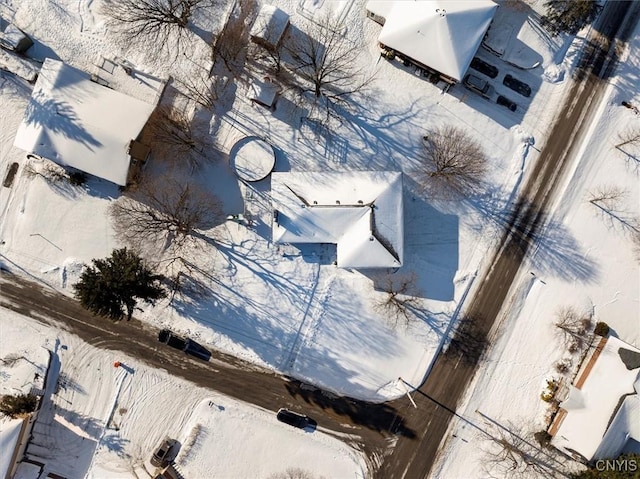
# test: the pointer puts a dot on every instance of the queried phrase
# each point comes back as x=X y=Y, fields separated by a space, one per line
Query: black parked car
x=517 y=85
x=504 y=101
x=187 y=345
x=294 y=419
x=484 y=67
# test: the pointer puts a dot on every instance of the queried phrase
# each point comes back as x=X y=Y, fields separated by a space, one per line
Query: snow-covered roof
x=270 y=25
x=9 y=438
x=441 y=34
x=76 y=122
x=594 y=426
x=361 y=212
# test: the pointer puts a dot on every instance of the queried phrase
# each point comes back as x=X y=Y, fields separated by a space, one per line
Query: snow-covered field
x=290 y=308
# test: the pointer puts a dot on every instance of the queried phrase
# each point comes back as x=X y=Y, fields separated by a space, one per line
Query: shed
x=269 y=27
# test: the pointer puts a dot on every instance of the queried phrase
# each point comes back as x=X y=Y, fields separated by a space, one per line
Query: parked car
x=484 y=67
x=294 y=419
x=504 y=101
x=189 y=346
x=478 y=85
x=161 y=456
x=517 y=85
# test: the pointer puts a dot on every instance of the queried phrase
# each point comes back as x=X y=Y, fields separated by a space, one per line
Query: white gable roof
x=441 y=34
x=593 y=424
x=75 y=122
x=361 y=212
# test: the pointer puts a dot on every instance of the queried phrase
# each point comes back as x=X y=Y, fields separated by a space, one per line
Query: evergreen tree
x=113 y=285
x=568 y=16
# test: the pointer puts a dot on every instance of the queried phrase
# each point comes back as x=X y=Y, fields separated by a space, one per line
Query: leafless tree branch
x=154 y=20
x=327 y=62
x=164 y=215
x=454 y=162
x=177 y=136
x=399 y=301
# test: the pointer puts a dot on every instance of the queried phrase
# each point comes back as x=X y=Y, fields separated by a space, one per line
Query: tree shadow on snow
x=525 y=229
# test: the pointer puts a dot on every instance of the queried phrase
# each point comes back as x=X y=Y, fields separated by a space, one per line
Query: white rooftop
x=441 y=34
x=361 y=212
x=75 y=122
x=270 y=25
x=591 y=409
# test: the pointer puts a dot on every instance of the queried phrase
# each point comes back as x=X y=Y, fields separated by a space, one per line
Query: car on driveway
x=484 y=67
x=517 y=85
x=295 y=419
x=504 y=101
x=478 y=85
x=161 y=456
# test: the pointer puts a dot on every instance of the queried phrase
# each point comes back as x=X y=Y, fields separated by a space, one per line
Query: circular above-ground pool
x=252 y=158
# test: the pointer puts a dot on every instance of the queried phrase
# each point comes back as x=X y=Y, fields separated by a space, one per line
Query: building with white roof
x=270 y=26
x=439 y=35
x=360 y=212
x=77 y=122
x=602 y=411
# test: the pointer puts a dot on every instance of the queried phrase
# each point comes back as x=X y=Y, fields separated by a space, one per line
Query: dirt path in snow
x=439 y=396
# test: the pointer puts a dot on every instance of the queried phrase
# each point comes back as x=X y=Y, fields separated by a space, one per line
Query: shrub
x=77 y=178
x=14 y=406
x=602 y=329
x=563 y=366
x=550 y=391
x=543 y=438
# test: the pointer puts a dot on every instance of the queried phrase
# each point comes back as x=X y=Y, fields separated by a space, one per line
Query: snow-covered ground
x=290 y=308
x=325 y=329
x=98 y=421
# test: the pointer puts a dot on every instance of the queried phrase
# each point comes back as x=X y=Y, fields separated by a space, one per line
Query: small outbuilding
x=269 y=27
x=359 y=211
x=74 y=121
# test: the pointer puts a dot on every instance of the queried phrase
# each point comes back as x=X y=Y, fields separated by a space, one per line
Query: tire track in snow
x=312 y=318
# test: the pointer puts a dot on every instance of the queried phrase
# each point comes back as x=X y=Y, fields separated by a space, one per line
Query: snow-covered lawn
x=101 y=422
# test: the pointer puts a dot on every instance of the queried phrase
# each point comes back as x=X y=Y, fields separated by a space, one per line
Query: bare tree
x=630 y=144
x=231 y=44
x=46 y=169
x=163 y=215
x=175 y=131
x=574 y=327
x=399 y=301
x=327 y=62
x=200 y=87
x=454 y=162
x=608 y=200
x=509 y=454
x=155 y=20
